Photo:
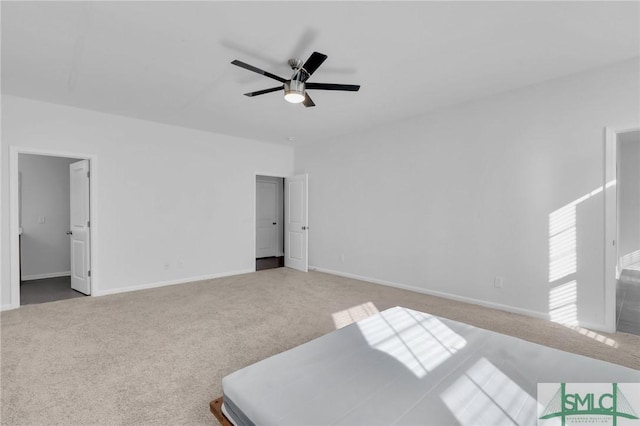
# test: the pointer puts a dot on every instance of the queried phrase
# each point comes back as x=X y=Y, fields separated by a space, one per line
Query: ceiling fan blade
x=331 y=86
x=315 y=60
x=262 y=92
x=257 y=70
x=307 y=101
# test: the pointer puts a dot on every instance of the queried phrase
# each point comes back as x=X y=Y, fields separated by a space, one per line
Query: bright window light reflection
x=630 y=260
x=484 y=395
x=353 y=314
x=419 y=341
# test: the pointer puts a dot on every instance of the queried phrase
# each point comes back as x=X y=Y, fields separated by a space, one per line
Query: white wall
x=45 y=194
x=446 y=202
x=629 y=202
x=165 y=194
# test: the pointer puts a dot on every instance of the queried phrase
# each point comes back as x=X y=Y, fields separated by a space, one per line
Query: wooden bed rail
x=216 y=409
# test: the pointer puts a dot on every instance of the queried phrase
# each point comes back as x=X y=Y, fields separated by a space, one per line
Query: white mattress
x=406 y=367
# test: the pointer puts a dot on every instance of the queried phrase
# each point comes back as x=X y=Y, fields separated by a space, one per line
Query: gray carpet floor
x=157 y=357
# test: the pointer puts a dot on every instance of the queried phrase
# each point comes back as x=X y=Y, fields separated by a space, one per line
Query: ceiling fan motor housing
x=294 y=89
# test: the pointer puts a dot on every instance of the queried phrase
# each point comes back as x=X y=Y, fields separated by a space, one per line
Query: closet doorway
x=269 y=222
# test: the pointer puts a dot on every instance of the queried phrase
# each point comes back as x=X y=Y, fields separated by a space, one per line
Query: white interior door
x=266 y=219
x=295 y=222
x=80 y=227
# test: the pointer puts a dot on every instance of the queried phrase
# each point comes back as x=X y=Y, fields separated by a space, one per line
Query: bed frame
x=216 y=409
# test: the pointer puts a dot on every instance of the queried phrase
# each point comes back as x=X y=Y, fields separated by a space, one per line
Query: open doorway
x=53 y=228
x=281 y=225
x=269 y=222
x=628 y=253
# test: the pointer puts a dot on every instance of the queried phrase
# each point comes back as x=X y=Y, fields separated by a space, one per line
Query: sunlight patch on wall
x=562 y=243
x=563 y=260
x=563 y=307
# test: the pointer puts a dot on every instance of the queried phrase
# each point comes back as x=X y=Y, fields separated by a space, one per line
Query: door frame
x=278 y=242
x=610 y=241
x=254 y=212
x=14 y=219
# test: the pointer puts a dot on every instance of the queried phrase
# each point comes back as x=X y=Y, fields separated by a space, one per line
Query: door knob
x=304 y=228
x=273 y=223
x=69 y=232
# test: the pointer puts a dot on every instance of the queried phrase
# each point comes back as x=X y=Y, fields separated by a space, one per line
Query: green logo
x=585 y=404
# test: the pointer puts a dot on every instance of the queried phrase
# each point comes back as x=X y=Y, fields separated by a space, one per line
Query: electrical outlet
x=498 y=282
x=166 y=266
x=42 y=219
x=342 y=258
x=180 y=264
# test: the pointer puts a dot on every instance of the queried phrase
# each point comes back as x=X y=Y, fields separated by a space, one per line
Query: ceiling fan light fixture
x=294 y=91
x=295 y=87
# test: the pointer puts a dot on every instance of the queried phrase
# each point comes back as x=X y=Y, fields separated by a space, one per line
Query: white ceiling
x=169 y=62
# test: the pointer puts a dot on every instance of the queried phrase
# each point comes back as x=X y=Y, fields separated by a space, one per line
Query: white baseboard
x=43 y=276
x=8 y=307
x=170 y=282
x=593 y=326
x=445 y=295
x=485 y=303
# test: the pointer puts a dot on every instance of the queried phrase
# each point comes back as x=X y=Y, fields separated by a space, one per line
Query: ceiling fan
x=295 y=89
